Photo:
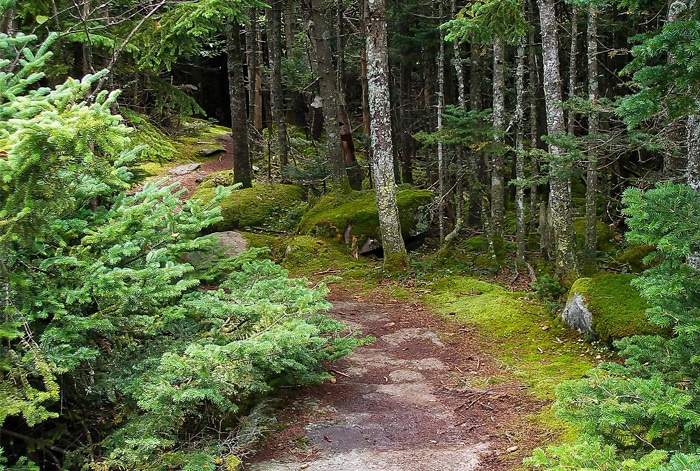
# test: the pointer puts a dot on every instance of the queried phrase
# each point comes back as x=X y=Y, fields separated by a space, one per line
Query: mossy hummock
x=616 y=307
x=272 y=206
x=343 y=216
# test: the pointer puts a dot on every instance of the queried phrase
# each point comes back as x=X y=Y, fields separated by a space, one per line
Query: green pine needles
x=120 y=348
x=645 y=413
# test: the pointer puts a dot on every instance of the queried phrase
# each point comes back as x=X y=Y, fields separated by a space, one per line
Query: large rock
x=354 y=219
x=607 y=307
x=266 y=206
x=577 y=316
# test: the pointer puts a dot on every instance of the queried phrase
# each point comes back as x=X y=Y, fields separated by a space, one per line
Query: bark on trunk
x=237 y=91
x=521 y=228
x=459 y=157
x=497 y=161
x=566 y=262
x=592 y=165
x=274 y=42
x=573 y=52
x=474 y=163
x=440 y=67
x=320 y=37
x=395 y=258
x=533 y=86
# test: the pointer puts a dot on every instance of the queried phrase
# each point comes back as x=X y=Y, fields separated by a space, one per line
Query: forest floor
x=407 y=401
x=401 y=402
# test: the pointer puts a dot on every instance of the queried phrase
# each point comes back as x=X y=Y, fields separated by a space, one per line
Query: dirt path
x=420 y=398
x=401 y=403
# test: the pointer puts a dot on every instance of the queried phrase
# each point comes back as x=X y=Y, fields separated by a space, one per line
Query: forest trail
x=401 y=403
x=423 y=397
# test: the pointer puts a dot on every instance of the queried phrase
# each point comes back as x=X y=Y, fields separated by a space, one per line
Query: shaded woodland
x=535 y=123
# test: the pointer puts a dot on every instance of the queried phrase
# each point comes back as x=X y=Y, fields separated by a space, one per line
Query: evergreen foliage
x=651 y=402
x=115 y=349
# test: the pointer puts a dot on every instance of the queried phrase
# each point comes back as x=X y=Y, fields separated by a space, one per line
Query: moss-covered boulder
x=270 y=206
x=607 y=307
x=353 y=217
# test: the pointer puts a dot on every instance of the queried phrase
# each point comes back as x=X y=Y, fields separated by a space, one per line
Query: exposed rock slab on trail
x=395 y=404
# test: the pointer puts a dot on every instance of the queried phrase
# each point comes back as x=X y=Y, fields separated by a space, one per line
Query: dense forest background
x=531 y=121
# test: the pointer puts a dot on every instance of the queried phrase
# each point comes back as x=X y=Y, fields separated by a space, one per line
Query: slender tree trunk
x=395 y=257
x=289 y=20
x=365 y=104
x=521 y=228
x=533 y=86
x=239 y=121
x=593 y=125
x=355 y=173
x=462 y=100
x=474 y=164
x=440 y=66
x=254 y=62
x=405 y=120
x=320 y=36
x=497 y=161
x=274 y=41
x=573 y=52
x=566 y=262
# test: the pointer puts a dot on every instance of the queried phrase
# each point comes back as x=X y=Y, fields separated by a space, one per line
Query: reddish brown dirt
x=218 y=164
x=403 y=402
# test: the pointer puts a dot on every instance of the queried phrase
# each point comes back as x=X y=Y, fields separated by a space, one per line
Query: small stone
x=304 y=466
x=545 y=327
x=512 y=449
x=184 y=169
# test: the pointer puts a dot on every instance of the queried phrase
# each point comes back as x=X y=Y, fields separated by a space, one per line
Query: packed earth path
x=402 y=402
x=405 y=402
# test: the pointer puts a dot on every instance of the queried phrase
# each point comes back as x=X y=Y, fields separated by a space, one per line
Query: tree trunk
x=573 y=52
x=440 y=66
x=239 y=121
x=254 y=63
x=566 y=262
x=521 y=228
x=533 y=87
x=405 y=120
x=497 y=161
x=592 y=165
x=365 y=104
x=355 y=174
x=273 y=17
x=462 y=100
x=474 y=163
x=395 y=257
x=320 y=37
x=289 y=20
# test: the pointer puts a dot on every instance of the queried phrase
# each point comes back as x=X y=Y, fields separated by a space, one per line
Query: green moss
x=224 y=178
x=270 y=205
x=475 y=244
x=396 y=263
x=335 y=212
x=309 y=256
x=512 y=328
x=634 y=257
x=604 y=234
x=617 y=308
